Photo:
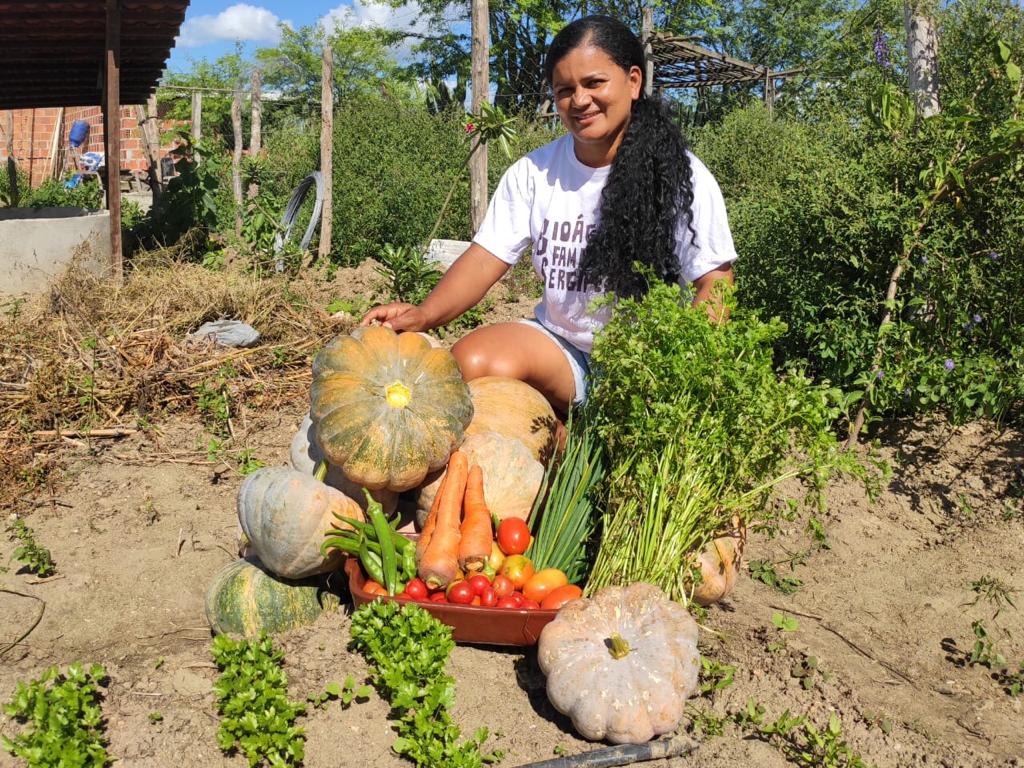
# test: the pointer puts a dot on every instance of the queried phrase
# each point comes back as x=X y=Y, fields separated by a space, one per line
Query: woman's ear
x=636 y=81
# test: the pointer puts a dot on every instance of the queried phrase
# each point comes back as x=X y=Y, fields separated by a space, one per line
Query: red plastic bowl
x=469 y=623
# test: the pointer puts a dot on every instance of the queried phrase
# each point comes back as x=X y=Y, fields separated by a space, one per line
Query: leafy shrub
x=52 y=194
x=824 y=212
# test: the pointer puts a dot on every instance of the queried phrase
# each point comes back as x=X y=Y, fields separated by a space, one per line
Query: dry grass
x=91 y=356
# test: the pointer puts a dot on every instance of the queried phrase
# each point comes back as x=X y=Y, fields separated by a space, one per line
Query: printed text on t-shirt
x=559 y=264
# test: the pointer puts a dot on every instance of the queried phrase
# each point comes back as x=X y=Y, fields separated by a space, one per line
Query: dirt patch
x=138 y=526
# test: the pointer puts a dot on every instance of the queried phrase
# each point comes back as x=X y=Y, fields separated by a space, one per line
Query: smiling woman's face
x=594 y=97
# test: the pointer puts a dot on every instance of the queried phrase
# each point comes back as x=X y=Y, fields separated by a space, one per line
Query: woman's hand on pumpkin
x=398 y=316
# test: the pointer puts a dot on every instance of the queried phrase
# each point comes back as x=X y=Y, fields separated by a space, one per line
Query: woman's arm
x=704 y=294
x=461 y=287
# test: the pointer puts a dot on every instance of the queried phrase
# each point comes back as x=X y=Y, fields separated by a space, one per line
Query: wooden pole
x=197 y=120
x=53 y=170
x=327 y=148
x=236 y=157
x=256 y=130
x=112 y=134
x=12 y=165
x=146 y=133
x=646 y=31
x=478 y=162
x=256 y=122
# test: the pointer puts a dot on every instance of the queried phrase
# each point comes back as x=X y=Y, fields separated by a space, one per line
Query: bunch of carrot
x=458 y=532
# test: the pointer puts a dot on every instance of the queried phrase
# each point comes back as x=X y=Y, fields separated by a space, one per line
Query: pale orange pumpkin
x=515 y=409
x=622 y=663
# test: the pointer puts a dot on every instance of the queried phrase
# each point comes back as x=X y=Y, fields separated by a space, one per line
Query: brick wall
x=33 y=139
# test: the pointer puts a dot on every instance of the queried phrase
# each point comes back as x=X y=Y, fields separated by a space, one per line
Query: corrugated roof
x=52 y=51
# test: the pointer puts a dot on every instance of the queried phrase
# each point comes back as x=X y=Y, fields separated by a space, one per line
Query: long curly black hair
x=649 y=184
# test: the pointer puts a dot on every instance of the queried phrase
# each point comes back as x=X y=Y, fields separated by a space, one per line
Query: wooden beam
x=327 y=148
x=112 y=134
x=12 y=164
x=481 y=87
x=255 y=122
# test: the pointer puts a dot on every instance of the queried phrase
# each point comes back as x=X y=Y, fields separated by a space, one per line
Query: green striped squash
x=244 y=598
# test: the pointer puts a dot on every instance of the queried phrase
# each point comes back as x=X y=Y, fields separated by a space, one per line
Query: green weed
x=29 y=553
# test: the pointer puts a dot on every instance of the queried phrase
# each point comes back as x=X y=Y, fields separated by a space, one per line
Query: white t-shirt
x=551 y=200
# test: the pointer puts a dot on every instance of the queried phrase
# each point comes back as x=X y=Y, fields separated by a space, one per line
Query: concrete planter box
x=38 y=244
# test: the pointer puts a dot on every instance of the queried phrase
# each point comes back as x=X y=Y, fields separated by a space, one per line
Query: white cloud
x=241 y=22
x=370 y=14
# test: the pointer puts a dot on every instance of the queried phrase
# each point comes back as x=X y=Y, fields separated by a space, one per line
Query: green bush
x=53 y=194
x=823 y=212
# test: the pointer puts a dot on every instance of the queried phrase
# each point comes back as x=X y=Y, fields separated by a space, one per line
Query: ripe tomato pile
x=507 y=580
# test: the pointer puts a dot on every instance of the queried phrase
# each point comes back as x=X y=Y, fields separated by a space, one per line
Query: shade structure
x=52 y=52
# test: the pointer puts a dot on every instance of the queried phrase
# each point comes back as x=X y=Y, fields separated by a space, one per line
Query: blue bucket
x=79 y=133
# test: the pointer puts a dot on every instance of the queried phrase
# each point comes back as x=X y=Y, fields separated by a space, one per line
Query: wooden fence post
x=480 y=75
x=112 y=134
x=256 y=120
x=646 y=30
x=236 y=157
x=197 y=120
x=327 y=148
x=152 y=149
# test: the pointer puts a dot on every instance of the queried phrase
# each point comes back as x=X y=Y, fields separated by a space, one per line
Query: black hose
x=624 y=754
x=291 y=213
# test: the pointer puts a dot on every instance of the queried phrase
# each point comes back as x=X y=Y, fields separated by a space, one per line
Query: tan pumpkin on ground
x=719 y=565
x=515 y=409
x=621 y=664
x=388 y=408
x=284 y=516
x=305 y=455
x=512 y=477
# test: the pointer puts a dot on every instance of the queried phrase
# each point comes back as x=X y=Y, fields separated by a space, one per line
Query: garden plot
x=878 y=632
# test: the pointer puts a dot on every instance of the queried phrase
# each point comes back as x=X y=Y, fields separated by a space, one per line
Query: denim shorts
x=579 y=361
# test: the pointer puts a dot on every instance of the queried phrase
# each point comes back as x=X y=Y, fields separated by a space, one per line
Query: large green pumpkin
x=245 y=599
x=387 y=407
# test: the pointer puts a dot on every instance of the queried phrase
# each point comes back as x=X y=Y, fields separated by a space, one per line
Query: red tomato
x=488 y=599
x=438 y=597
x=517 y=598
x=513 y=536
x=543 y=582
x=507 y=602
x=503 y=586
x=530 y=605
x=416 y=589
x=556 y=598
x=479 y=583
x=518 y=569
x=460 y=593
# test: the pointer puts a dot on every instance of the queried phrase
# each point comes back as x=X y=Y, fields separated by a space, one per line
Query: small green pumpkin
x=387 y=408
x=245 y=599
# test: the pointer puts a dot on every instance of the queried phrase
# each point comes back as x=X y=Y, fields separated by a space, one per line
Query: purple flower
x=976 y=319
x=924 y=260
x=879 y=375
x=881 y=46
x=993 y=256
x=950 y=365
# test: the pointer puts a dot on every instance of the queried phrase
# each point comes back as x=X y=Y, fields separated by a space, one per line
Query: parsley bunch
x=65 y=724
x=408 y=650
x=252 y=698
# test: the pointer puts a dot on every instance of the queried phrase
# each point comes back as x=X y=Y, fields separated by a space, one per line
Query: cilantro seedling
x=785 y=623
x=64 y=725
x=257 y=718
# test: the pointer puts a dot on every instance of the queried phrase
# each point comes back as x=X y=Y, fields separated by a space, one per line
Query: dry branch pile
x=90 y=357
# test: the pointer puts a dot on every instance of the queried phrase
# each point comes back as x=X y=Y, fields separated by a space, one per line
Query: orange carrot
x=477 y=533
x=430 y=523
x=439 y=561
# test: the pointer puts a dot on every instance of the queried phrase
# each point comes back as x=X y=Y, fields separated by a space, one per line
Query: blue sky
x=212 y=27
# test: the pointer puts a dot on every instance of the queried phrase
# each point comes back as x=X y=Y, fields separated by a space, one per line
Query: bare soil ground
x=138 y=526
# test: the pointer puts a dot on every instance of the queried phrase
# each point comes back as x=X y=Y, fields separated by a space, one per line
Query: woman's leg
x=518 y=351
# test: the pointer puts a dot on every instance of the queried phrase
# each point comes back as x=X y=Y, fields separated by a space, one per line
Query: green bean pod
x=371 y=563
x=388 y=556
